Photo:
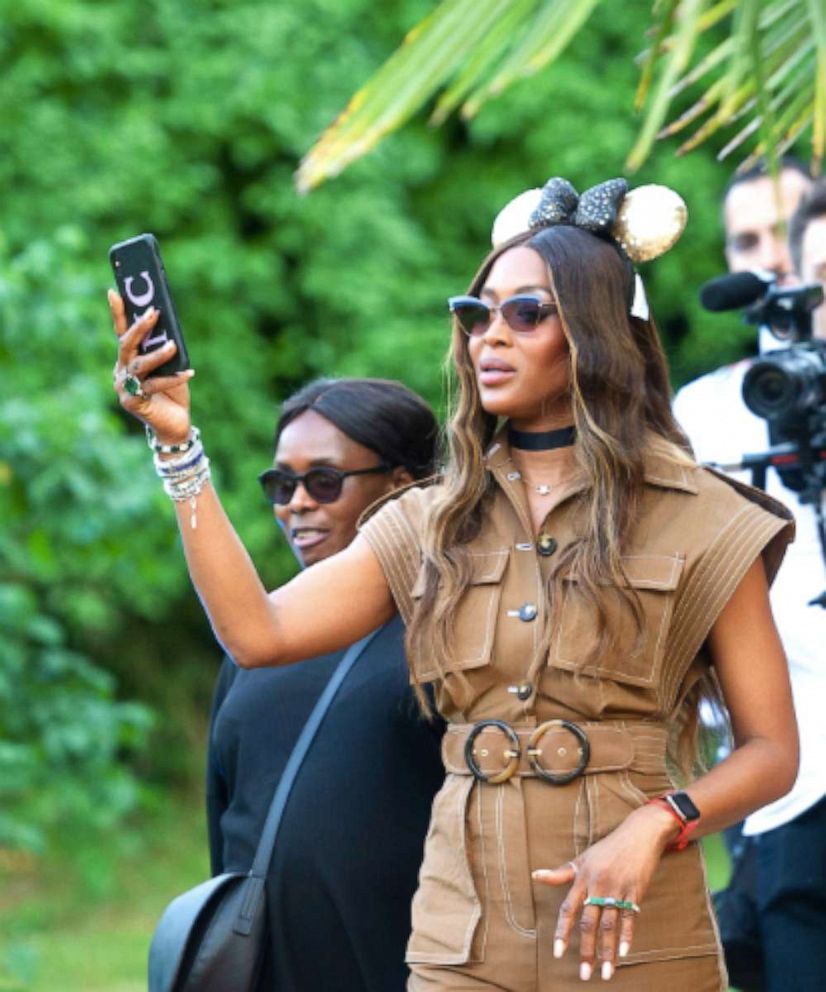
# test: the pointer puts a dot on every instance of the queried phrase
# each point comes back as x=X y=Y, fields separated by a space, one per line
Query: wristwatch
x=682 y=808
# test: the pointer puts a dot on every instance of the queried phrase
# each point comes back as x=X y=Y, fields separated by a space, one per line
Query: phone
x=142 y=283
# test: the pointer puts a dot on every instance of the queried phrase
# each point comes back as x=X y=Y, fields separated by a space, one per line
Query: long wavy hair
x=621 y=403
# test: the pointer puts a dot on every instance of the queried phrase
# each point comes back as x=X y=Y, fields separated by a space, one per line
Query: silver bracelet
x=170 y=470
x=188 y=489
x=185 y=475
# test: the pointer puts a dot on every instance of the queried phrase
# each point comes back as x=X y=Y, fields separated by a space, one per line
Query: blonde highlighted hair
x=621 y=401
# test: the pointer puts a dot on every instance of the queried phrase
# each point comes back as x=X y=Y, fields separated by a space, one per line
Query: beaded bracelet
x=185 y=475
x=171 y=449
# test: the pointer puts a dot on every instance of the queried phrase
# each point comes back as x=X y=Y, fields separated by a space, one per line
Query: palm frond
x=654 y=53
x=818 y=15
x=676 y=61
x=766 y=78
x=552 y=29
x=430 y=53
x=482 y=61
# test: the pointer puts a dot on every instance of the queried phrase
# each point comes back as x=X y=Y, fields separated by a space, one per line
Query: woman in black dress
x=345 y=866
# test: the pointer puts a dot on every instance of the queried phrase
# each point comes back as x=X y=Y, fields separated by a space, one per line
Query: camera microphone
x=735 y=291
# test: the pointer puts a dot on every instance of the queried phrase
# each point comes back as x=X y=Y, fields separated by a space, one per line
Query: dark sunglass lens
x=523 y=315
x=278 y=487
x=283 y=492
x=473 y=318
x=323 y=484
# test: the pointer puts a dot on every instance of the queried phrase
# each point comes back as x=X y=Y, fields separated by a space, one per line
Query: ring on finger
x=610 y=902
x=132 y=385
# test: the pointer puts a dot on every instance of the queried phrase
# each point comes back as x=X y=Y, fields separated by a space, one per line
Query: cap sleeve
x=740 y=523
x=394 y=529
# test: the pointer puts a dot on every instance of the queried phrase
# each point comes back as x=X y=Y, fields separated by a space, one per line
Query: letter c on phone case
x=145 y=298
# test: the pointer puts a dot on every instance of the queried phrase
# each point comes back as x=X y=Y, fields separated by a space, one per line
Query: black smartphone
x=142 y=283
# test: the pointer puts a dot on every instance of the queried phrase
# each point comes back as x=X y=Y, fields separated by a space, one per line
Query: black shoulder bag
x=213 y=937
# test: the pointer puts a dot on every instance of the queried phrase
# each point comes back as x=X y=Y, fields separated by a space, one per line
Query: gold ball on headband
x=649 y=221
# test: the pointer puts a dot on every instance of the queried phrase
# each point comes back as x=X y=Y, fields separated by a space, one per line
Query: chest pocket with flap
x=635 y=660
x=474 y=624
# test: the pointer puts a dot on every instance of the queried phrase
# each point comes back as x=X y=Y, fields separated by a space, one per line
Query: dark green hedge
x=187 y=119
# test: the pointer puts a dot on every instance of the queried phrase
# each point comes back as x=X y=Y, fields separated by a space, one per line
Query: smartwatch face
x=685 y=807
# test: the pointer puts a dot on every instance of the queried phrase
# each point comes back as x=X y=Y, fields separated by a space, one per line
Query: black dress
x=347 y=858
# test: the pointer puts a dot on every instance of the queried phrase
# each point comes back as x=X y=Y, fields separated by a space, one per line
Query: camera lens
x=790 y=381
x=767 y=391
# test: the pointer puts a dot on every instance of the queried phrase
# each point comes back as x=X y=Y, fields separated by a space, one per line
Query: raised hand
x=161 y=402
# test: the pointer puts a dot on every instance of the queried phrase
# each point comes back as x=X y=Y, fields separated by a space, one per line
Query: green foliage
x=187 y=119
x=768 y=69
x=73 y=500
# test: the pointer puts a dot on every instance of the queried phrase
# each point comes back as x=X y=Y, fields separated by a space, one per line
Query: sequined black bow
x=594 y=211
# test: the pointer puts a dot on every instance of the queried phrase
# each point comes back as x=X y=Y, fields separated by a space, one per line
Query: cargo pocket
x=474 y=623
x=632 y=659
x=446 y=907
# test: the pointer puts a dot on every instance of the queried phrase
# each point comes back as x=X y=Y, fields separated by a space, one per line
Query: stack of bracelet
x=185 y=475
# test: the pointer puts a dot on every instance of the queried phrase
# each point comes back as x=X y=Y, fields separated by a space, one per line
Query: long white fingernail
x=585 y=971
x=559 y=947
x=540 y=873
x=624 y=948
x=607 y=970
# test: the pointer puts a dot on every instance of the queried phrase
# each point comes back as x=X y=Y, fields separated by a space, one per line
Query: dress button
x=522 y=691
x=546 y=545
x=527 y=612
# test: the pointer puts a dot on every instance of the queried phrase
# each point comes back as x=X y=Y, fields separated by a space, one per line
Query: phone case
x=142 y=283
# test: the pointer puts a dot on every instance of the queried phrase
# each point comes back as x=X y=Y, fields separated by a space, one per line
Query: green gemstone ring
x=132 y=385
x=609 y=902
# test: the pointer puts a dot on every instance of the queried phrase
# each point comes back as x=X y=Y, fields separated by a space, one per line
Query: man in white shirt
x=789 y=835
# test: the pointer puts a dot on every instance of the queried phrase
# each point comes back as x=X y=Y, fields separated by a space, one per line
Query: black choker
x=541 y=440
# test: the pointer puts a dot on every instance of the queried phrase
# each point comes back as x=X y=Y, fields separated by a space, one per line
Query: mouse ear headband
x=643 y=222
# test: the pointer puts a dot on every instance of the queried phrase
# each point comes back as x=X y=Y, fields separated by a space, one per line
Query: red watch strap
x=687 y=827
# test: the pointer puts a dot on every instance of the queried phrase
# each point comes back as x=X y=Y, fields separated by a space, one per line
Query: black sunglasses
x=323 y=484
x=522 y=314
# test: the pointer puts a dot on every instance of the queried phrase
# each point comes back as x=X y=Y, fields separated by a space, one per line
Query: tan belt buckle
x=513 y=754
x=533 y=751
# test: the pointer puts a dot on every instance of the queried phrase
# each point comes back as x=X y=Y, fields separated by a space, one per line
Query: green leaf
x=654 y=53
x=817 y=11
x=546 y=38
x=430 y=53
x=685 y=38
x=498 y=39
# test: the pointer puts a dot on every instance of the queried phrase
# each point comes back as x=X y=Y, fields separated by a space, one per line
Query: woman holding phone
x=572 y=589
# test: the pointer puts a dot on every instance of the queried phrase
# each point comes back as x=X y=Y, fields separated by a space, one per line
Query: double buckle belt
x=557 y=751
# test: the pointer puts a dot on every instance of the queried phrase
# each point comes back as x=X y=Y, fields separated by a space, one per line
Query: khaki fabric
x=477 y=917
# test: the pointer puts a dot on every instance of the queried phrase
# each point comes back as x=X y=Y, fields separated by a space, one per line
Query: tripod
x=801 y=465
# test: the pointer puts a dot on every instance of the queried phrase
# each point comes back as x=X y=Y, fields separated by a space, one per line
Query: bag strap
x=255 y=881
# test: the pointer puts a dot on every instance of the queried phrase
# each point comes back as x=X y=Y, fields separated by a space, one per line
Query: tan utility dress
x=478 y=919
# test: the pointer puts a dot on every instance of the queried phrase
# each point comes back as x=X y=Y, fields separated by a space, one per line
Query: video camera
x=786 y=387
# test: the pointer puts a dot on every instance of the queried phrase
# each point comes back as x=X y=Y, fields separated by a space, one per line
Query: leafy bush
x=188 y=119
